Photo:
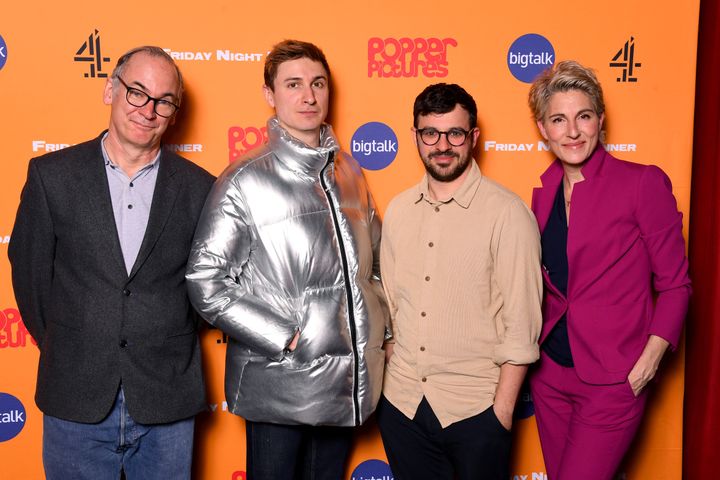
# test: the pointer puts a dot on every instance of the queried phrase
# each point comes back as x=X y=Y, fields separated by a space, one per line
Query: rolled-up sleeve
x=516 y=251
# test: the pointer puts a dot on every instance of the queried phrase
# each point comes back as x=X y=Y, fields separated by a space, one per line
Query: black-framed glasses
x=431 y=136
x=138 y=98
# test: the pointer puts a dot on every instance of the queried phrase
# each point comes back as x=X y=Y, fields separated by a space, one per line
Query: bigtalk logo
x=372 y=470
x=374 y=145
x=12 y=417
x=529 y=56
x=3 y=52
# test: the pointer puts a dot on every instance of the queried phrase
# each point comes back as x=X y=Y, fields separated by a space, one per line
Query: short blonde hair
x=562 y=77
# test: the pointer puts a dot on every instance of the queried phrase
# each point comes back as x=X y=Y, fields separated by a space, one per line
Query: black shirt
x=555 y=262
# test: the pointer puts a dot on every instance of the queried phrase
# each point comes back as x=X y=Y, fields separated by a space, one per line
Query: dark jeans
x=92 y=451
x=296 y=452
x=471 y=449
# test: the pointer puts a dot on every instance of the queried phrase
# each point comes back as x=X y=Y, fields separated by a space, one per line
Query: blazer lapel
x=589 y=224
x=164 y=196
x=544 y=197
x=95 y=184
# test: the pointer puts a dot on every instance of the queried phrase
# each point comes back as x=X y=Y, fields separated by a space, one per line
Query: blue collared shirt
x=131 y=201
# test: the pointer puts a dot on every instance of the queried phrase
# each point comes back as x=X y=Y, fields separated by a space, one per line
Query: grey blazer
x=96 y=326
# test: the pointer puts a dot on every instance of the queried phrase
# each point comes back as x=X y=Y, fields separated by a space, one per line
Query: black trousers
x=476 y=448
x=296 y=452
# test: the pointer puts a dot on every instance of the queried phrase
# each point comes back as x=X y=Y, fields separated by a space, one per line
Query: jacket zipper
x=348 y=291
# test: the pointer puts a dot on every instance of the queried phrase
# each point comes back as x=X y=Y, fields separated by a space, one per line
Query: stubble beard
x=445 y=175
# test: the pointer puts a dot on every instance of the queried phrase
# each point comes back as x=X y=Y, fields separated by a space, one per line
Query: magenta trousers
x=584 y=429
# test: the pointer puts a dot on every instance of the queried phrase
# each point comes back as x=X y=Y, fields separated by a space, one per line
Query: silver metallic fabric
x=289 y=240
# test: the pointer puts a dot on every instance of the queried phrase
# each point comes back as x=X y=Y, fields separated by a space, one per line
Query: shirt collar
x=463 y=196
x=111 y=164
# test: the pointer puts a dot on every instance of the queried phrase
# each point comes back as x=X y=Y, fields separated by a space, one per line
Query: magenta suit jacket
x=627 y=269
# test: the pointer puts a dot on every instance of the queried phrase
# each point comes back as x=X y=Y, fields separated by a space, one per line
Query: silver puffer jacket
x=289 y=240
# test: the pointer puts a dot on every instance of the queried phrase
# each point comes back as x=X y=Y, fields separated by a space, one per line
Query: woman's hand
x=644 y=369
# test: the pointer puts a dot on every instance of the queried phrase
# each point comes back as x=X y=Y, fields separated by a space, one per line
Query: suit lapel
x=166 y=190
x=588 y=224
x=544 y=197
x=95 y=184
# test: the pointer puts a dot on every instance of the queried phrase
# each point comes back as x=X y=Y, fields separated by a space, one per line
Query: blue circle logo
x=372 y=470
x=529 y=55
x=12 y=417
x=3 y=52
x=374 y=145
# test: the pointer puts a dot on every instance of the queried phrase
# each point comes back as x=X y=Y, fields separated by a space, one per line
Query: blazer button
x=126 y=292
x=123 y=343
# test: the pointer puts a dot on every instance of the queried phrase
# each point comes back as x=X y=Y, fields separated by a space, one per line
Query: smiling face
x=140 y=128
x=444 y=162
x=300 y=97
x=571 y=127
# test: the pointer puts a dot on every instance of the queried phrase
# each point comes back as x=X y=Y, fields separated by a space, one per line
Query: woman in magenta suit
x=616 y=282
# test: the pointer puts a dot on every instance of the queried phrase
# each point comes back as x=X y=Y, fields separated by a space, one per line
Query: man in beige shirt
x=460 y=261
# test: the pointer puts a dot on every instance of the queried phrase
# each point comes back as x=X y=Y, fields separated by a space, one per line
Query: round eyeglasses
x=455 y=136
x=138 y=98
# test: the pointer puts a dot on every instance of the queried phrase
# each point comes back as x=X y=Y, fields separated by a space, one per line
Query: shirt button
x=431 y=244
x=427 y=279
x=437 y=209
x=126 y=292
x=422 y=349
x=123 y=343
x=423 y=314
x=424 y=379
x=130 y=207
x=132 y=184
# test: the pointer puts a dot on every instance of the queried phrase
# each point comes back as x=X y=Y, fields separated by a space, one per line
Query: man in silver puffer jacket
x=285 y=261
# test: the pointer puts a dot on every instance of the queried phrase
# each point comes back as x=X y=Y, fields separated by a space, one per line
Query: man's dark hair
x=442 y=98
x=291 y=50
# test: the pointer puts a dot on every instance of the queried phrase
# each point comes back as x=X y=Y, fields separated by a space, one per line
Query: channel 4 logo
x=529 y=56
x=374 y=145
x=243 y=139
x=372 y=470
x=90 y=52
x=12 y=417
x=409 y=57
x=3 y=52
x=624 y=59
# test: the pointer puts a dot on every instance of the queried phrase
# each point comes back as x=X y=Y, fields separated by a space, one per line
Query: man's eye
x=137 y=94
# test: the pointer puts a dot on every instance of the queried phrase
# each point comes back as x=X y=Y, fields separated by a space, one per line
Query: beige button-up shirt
x=465 y=289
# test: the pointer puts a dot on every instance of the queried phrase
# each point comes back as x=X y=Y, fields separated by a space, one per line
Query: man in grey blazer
x=98 y=256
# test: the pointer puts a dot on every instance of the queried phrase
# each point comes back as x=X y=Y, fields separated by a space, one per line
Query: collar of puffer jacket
x=297 y=155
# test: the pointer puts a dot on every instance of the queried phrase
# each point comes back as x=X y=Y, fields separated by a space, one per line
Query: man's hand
x=509 y=383
x=293 y=343
x=388 y=347
x=504 y=415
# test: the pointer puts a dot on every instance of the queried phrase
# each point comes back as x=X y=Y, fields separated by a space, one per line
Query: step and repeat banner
x=55 y=60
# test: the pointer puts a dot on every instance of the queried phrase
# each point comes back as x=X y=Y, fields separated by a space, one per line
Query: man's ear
x=269 y=96
x=108 y=92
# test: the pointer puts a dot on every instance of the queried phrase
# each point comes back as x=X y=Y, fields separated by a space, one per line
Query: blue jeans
x=99 y=451
x=296 y=452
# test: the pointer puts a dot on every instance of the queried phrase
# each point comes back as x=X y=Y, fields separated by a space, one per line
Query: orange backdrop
x=53 y=62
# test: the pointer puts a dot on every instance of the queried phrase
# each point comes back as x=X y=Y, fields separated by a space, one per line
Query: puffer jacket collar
x=297 y=155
